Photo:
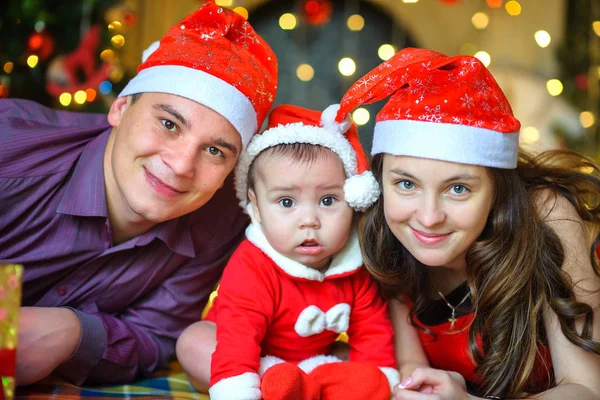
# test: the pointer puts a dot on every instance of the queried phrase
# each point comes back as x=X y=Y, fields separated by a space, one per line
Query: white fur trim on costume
x=312 y=320
x=360 y=191
x=267 y=362
x=240 y=387
x=346 y=260
x=447 y=142
x=392 y=375
x=149 y=50
x=328 y=120
x=311 y=363
x=202 y=88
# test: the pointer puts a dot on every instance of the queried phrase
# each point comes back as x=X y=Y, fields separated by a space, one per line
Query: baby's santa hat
x=214 y=57
x=290 y=124
x=443 y=108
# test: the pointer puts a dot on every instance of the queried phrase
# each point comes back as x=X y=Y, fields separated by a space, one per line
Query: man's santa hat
x=443 y=108
x=214 y=57
x=291 y=124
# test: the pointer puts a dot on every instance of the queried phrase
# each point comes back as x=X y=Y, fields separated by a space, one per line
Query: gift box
x=10 y=302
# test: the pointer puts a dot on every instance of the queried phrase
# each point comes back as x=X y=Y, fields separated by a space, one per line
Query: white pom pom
x=328 y=120
x=151 y=49
x=361 y=191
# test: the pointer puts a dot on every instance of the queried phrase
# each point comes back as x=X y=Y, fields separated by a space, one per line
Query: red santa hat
x=444 y=108
x=214 y=57
x=291 y=124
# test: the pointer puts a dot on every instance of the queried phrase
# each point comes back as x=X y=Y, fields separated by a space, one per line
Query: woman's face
x=436 y=209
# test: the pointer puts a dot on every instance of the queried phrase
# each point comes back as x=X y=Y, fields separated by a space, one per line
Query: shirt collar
x=85 y=197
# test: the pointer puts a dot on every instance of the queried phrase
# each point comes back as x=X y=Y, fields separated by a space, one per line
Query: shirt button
x=62 y=290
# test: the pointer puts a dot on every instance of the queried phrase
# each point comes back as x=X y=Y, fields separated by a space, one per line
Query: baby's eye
x=286 y=202
x=328 y=201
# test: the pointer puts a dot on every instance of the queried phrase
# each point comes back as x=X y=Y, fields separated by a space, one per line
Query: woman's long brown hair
x=513 y=269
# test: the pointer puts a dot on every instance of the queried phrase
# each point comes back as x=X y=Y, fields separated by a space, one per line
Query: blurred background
x=545 y=54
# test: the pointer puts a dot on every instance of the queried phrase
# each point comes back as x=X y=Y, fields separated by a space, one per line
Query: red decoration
x=64 y=69
x=129 y=18
x=8 y=362
x=40 y=44
x=581 y=80
x=494 y=3
x=317 y=12
x=450 y=2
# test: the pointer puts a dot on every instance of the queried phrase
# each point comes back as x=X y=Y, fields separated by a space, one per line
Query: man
x=124 y=224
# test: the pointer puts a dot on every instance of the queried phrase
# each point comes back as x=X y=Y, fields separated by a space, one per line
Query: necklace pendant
x=452 y=320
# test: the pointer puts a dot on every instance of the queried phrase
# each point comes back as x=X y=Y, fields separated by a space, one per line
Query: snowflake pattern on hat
x=214 y=57
x=474 y=121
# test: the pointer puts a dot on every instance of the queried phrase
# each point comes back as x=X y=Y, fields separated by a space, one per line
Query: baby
x=298 y=280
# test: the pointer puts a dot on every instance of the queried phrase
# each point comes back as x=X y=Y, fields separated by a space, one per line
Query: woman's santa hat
x=291 y=124
x=444 y=108
x=214 y=57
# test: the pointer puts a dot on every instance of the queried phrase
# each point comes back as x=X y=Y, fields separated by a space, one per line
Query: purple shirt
x=132 y=299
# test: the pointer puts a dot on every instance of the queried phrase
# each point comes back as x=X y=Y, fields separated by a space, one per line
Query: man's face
x=168 y=156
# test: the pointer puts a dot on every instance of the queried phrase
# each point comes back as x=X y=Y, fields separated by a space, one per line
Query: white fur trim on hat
x=447 y=142
x=202 y=88
x=348 y=259
x=360 y=192
x=328 y=120
x=311 y=363
x=240 y=387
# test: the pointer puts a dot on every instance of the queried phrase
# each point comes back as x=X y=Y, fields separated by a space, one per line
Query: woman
x=464 y=239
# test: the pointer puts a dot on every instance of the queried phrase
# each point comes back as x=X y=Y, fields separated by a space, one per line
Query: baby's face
x=301 y=207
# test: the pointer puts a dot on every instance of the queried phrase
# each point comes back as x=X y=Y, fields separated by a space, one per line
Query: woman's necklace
x=452 y=319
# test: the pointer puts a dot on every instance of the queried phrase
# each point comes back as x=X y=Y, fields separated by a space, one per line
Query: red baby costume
x=271 y=309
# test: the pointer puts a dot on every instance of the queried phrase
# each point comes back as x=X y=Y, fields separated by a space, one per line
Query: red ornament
x=581 y=80
x=84 y=58
x=40 y=44
x=494 y=3
x=450 y=2
x=129 y=18
x=317 y=12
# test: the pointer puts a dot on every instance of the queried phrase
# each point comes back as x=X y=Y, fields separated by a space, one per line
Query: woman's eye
x=286 y=203
x=215 y=151
x=458 y=189
x=327 y=201
x=406 y=185
x=169 y=125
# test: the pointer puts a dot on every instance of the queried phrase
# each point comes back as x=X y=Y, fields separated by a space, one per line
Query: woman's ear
x=252 y=197
x=117 y=108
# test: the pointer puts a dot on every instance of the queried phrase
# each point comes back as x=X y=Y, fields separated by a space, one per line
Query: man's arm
x=117 y=348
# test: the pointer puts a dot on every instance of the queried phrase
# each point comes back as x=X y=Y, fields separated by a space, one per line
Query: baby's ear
x=252 y=197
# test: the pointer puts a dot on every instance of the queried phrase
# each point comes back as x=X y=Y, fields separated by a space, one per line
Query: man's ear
x=117 y=109
x=252 y=197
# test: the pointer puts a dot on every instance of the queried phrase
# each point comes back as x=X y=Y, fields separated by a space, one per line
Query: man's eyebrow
x=167 y=108
x=224 y=143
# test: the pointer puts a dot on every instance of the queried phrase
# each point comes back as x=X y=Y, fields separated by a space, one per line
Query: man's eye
x=169 y=125
x=215 y=151
x=286 y=202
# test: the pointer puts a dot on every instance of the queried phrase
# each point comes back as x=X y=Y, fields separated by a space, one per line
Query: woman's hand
x=432 y=384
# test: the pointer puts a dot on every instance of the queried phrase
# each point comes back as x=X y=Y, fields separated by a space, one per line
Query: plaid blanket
x=166 y=384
